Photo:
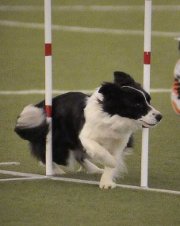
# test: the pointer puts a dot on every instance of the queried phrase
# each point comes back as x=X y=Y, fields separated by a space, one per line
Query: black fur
x=123 y=99
x=68 y=119
x=123 y=79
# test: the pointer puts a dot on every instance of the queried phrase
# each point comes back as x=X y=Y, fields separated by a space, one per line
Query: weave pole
x=146 y=85
x=48 y=83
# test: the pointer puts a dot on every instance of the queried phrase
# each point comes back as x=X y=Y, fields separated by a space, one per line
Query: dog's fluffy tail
x=31 y=125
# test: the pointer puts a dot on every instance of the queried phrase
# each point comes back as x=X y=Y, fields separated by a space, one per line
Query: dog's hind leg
x=81 y=157
x=57 y=170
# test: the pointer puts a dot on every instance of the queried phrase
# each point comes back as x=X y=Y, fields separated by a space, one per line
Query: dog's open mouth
x=147 y=125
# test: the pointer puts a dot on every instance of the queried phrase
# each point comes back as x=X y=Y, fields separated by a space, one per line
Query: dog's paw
x=107 y=185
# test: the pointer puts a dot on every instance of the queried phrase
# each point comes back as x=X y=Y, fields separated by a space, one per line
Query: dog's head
x=128 y=99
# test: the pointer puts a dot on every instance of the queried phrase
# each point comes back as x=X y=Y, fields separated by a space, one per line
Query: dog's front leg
x=98 y=153
x=106 y=181
x=111 y=174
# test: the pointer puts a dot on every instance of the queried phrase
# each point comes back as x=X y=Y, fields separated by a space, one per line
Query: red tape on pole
x=48 y=110
x=147 y=57
x=48 y=49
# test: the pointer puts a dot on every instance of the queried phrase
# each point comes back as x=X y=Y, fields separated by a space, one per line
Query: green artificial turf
x=83 y=61
x=41 y=203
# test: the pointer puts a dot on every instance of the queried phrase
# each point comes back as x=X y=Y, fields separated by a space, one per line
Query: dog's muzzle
x=151 y=119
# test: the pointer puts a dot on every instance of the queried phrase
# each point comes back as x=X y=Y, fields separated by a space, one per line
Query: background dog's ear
x=123 y=79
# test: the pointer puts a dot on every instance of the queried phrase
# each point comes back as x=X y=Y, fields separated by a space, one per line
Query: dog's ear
x=109 y=90
x=123 y=79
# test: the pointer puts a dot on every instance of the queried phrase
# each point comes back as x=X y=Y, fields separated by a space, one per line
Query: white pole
x=48 y=83
x=146 y=85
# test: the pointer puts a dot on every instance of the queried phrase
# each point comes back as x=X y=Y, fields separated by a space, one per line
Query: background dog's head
x=126 y=98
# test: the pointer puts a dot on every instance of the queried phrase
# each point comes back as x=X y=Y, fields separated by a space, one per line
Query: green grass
x=83 y=61
x=56 y=203
x=90 y=51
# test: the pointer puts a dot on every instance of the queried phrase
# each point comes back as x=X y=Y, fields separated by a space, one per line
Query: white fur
x=73 y=166
x=149 y=119
x=91 y=168
x=105 y=139
x=30 y=117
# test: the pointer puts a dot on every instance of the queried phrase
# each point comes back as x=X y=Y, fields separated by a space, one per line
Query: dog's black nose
x=158 y=117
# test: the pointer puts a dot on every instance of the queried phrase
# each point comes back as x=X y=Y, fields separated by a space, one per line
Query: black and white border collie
x=91 y=129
